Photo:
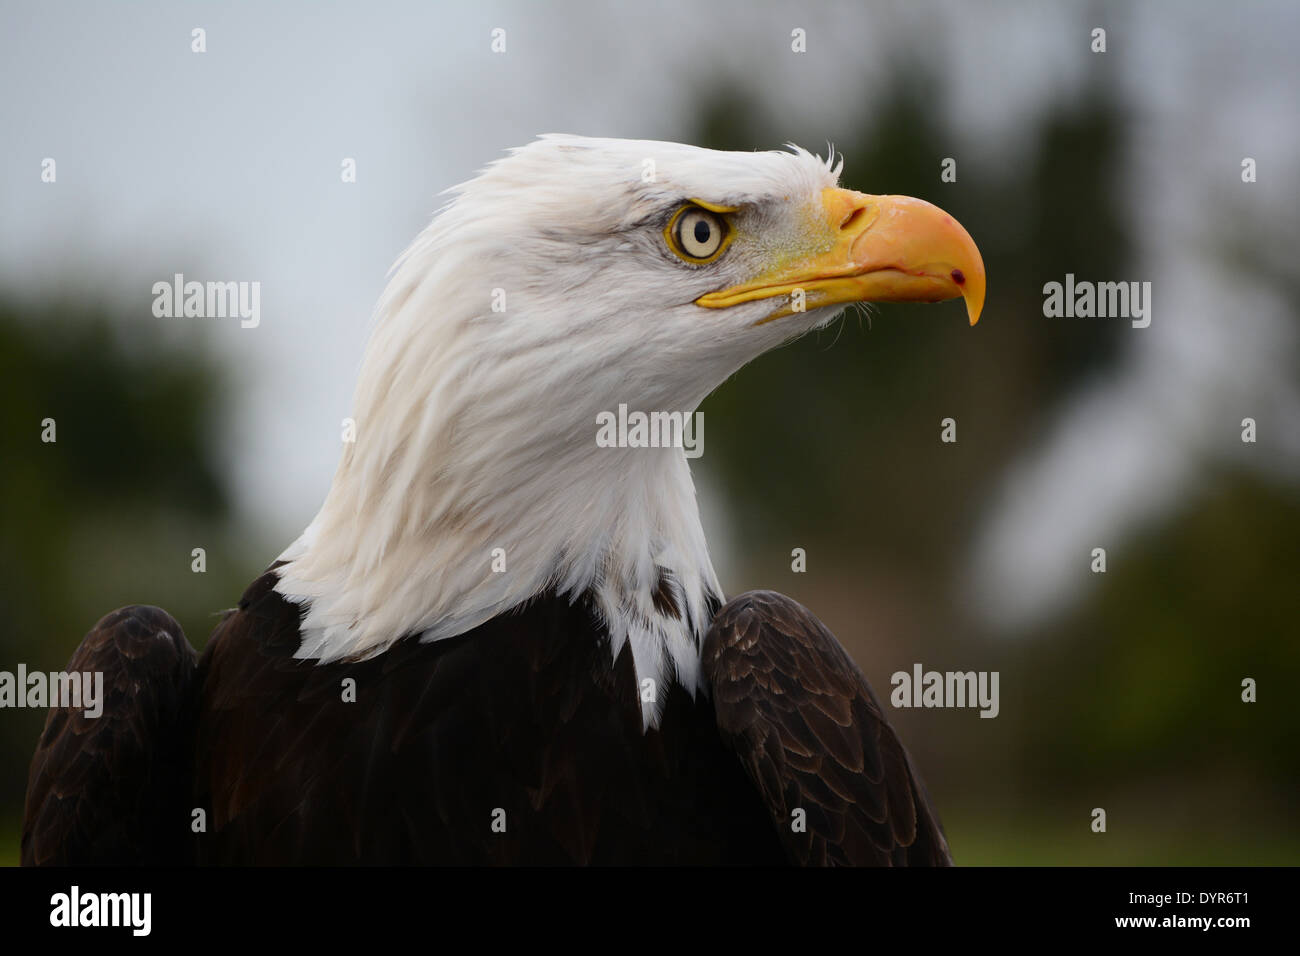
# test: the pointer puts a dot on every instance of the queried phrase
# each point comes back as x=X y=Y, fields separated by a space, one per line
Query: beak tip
x=974 y=307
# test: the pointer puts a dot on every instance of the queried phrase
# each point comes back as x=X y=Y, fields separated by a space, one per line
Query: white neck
x=618 y=541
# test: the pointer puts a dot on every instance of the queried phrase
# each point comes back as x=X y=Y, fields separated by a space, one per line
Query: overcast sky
x=226 y=165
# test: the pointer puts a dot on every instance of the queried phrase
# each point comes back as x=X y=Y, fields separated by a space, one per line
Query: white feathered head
x=569 y=278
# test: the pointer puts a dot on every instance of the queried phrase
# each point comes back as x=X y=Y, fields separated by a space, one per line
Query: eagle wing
x=113 y=789
x=810 y=734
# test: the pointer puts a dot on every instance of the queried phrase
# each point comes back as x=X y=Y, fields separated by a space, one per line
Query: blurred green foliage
x=108 y=513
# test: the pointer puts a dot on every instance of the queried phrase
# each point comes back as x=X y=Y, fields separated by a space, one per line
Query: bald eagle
x=499 y=640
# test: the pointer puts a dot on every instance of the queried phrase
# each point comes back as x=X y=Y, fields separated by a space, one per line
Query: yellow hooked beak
x=879 y=249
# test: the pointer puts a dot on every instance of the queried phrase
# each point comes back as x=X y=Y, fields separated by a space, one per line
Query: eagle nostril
x=852 y=217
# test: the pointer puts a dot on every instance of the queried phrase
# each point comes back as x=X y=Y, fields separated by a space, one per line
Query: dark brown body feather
x=803 y=720
x=524 y=714
x=115 y=789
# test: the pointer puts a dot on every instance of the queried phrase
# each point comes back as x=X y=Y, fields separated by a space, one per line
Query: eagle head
x=572 y=277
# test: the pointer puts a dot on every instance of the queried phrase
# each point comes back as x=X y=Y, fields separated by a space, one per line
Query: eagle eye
x=696 y=234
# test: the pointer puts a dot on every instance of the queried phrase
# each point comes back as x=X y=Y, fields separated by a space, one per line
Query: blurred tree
x=109 y=513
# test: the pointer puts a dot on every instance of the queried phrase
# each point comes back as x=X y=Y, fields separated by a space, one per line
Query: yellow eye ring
x=697 y=234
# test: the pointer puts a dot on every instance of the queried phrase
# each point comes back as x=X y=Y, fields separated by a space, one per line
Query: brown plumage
x=807 y=728
x=115 y=789
x=525 y=714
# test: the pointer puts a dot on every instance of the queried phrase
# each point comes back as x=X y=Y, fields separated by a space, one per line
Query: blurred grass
x=10 y=841
x=1046 y=841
